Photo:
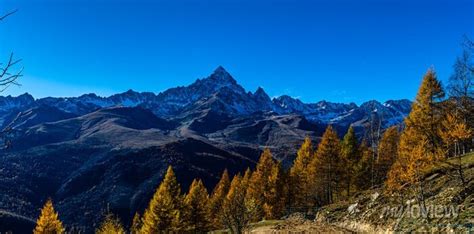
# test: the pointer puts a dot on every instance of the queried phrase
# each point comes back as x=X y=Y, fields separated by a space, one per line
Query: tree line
x=437 y=127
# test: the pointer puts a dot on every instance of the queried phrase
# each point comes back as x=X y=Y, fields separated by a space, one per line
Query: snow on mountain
x=221 y=93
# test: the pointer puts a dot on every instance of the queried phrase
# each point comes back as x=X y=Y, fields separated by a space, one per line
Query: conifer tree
x=246 y=178
x=238 y=210
x=216 y=200
x=259 y=185
x=275 y=196
x=350 y=156
x=387 y=153
x=364 y=166
x=420 y=142
x=325 y=169
x=299 y=184
x=48 y=222
x=136 y=224
x=197 y=203
x=455 y=132
x=165 y=212
x=424 y=120
x=111 y=225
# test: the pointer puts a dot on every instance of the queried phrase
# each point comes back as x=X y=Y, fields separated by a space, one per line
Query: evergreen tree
x=216 y=200
x=197 y=203
x=299 y=184
x=111 y=225
x=136 y=224
x=48 y=222
x=325 y=169
x=259 y=183
x=387 y=153
x=350 y=156
x=165 y=212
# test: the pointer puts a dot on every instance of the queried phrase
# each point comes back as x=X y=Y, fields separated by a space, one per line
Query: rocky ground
x=450 y=208
x=450 y=205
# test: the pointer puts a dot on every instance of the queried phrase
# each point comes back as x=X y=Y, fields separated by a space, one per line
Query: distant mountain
x=92 y=153
x=219 y=92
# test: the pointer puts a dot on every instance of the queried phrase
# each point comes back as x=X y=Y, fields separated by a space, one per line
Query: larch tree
x=454 y=132
x=420 y=143
x=276 y=194
x=363 y=171
x=48 y=222
x=387 y=153
x=350 y=156
x=325 y=169
x=197 y=204
x=110 y=225
x=259 y=186
x=136 y=224
x=299 y=184
x=216 y=200
x=237 y=210
x=165 y=211
x=246 y=178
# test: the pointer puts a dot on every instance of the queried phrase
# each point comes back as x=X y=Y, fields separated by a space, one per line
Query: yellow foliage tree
x=111 y=225
x=165 y=212
x=325 y=169
x=387 y=153
x=364 y=166
x=48 y=222
x=420 y=142
x=299 y=184
x=197 y=203
x=216 y=200
x=275 y=196
x=259 y=186
x=455 y=132
x=237 y=210
x=136 y=224
x=246 y=178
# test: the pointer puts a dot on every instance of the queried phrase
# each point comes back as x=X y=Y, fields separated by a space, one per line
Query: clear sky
x=337 y=50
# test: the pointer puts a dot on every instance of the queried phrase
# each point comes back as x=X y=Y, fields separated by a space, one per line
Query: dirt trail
x=297 y=224
x=308 y=227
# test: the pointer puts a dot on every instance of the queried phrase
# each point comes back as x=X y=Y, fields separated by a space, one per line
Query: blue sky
x=340 y=50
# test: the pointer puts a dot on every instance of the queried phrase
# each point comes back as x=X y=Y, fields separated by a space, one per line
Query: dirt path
x=287 y=226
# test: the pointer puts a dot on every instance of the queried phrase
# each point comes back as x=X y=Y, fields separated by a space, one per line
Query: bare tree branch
x=8 y=14
x=7 y=76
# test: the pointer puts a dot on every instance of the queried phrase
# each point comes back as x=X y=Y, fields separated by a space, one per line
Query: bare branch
x=8 y=14
x=7 y=77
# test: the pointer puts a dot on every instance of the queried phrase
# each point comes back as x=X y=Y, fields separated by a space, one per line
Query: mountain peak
x=262 y=95
x=260 y=91
x=221 y=75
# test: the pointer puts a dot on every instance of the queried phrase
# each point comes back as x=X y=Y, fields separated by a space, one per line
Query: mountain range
x=91 y=154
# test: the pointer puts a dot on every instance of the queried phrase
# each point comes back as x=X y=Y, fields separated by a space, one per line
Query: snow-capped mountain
x=221 y=93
